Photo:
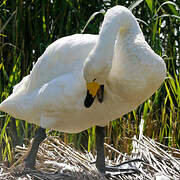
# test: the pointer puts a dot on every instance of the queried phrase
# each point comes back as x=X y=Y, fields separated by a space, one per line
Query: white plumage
x=52 y=96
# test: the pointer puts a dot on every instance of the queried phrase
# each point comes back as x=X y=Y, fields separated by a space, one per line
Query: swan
x=86 y=80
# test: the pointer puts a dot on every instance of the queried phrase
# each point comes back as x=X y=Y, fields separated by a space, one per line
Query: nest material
x=57 y=160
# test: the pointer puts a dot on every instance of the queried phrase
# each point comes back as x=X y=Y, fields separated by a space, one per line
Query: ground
x=57 y=160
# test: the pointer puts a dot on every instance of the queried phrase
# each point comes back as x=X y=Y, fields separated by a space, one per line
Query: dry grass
x=57 y=160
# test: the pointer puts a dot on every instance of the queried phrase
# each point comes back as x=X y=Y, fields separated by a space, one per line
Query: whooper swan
x=117 y=66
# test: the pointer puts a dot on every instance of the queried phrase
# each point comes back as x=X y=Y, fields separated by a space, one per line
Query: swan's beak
x=92 y=89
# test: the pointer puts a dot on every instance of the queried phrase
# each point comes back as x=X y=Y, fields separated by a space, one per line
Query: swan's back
x=62 y=56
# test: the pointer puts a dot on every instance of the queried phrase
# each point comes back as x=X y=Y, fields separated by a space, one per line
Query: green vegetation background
x=27 y=27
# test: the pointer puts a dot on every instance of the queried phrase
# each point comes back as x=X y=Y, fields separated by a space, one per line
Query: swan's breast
x=137 y=72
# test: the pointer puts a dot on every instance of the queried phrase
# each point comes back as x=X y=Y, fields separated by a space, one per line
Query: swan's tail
x=10 y=106
x=21 y=105
x=3 y=106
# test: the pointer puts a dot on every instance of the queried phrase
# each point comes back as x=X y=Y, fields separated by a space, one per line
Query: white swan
x=119 y=58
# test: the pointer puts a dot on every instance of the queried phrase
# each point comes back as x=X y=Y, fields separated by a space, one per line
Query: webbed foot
x=127 y=167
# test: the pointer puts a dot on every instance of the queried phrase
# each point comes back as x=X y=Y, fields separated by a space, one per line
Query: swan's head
x=96 y=68
x=95 y=71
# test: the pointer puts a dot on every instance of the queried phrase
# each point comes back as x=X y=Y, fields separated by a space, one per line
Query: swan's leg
x=100 y=161
x=32 y=154
x=125 y=168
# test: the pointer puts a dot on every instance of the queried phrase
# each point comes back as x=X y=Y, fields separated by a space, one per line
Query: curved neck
x=118 y=20
x=106 y=41
x=119 y=23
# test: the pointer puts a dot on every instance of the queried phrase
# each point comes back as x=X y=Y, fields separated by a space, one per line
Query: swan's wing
x=56 y=99
x=62 y=56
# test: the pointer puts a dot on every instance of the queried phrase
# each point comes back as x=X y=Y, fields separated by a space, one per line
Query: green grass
x=28 y=27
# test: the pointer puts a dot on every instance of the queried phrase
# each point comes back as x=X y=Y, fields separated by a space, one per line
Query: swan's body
x=52 y=96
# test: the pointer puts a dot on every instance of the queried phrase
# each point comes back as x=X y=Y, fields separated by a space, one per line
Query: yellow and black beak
x=93 y=89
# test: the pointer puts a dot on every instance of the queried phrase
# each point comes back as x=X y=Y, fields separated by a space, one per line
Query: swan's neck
x=118 y=20
x=106 y=41
x=117 y=27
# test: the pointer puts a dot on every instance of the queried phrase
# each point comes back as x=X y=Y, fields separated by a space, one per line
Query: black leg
x=100 y=161
x=32 y=154
x=123 y=168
